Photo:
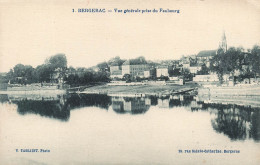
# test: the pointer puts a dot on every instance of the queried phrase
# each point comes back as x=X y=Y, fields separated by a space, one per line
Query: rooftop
x=206 y=53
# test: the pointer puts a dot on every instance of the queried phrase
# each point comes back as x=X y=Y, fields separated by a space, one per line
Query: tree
x=127 y=77
x=22 y=74
x=186 y=74
x=254 y=60
x=153 y=73
x=138 y=61
x=216 y=64
x=57 y=61
x=165 y=78
x=88 y=77
x=101 y=76
x=138 y=79
x=116 y=61
x=227 y=63
x=10 y=75
x=57 y=65
x=42 y=73
x=233 y=59
x=72 y=79
x=204 y=70
x=29 y=74
x=175 y=72
x=103 y=66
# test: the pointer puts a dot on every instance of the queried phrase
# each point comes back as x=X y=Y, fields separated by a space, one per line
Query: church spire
x=223 y=43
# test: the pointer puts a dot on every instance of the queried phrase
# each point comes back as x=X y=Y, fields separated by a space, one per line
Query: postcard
x=129 y=82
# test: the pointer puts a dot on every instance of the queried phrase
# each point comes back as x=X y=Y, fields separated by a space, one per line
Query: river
x=101 y=129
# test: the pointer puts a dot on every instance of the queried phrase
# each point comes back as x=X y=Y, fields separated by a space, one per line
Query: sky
x=31 y=31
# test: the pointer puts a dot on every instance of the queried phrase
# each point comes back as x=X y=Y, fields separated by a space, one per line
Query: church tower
x=223 y=43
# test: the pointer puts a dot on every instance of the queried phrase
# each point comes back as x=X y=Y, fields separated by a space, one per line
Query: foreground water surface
x=101 y=129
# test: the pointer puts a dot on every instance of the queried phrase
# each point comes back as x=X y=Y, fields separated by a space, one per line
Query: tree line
x=54 y=67
x=236 y=60
x=83 y=76
x=26 y=74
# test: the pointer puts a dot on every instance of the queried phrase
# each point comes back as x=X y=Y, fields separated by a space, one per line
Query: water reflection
x=88 y=100
x=130 y=105
x=234 y=121
x=53 y=106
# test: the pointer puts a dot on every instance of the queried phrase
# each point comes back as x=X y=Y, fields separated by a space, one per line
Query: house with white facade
x=162 y=71
x=133 y=68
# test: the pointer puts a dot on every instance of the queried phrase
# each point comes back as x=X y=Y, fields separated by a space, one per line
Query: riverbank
x=147 y=89
x=140 y=89
x=241 y=95
x=247 y=90
x=252 y=101
x=35 y=92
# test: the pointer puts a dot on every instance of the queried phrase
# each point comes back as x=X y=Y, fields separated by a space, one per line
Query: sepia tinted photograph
x=108 y=82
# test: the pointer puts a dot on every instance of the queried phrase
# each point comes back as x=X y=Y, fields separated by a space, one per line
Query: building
x=194 y=69
x=186 y=65
x=210 y=78
x=174 y=78
x=206 y=78
x=116 y=71
x=116 y=74
x=134 y=68
x=162 y=71
x=205 y=56
x=147 y=74
x=184 y=59
x=115 y=68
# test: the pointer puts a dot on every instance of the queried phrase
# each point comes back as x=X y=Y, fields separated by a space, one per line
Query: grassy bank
x=141 y=89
